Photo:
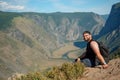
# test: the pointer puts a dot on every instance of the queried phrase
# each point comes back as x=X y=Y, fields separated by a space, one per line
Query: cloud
x=4 y=6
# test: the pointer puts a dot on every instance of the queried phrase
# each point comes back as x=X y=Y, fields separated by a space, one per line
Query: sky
x=50 y=6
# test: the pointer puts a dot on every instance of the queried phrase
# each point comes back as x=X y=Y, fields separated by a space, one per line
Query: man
x=92 y=52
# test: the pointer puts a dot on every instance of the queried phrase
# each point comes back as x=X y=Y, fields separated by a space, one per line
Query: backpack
x=104 y=51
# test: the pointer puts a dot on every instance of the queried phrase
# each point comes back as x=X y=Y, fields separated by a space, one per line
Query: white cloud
x=4 y=6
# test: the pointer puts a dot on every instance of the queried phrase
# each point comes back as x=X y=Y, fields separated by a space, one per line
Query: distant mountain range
x=28 y=40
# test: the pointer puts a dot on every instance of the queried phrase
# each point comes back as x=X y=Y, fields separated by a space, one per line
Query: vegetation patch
x=68 y=71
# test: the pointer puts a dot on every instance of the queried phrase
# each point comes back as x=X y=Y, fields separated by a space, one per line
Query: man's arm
x=81 y=56
x=95 y=47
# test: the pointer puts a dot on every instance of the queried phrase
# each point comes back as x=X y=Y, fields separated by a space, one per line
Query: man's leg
x=86 y=62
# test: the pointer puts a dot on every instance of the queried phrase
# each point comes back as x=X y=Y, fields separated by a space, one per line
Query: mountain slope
x=110 y=33
x=21 y=49
x=113 y=21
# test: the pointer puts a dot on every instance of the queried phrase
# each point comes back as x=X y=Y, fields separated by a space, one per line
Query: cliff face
x=68 y=26
x=113 y=21
x=111 y=31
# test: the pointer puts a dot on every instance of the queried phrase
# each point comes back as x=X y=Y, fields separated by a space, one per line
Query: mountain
x=69 y=25
x=113 y=19
x=105 y=17
x=110 y=33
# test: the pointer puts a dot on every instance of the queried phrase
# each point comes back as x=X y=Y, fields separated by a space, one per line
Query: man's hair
x=86 y=32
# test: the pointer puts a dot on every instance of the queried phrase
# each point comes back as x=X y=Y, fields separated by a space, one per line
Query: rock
x=97 y=73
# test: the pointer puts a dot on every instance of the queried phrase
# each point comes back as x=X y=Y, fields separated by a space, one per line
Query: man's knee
x=86 y=62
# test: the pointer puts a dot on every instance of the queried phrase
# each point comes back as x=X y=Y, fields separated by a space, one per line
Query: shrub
x=67 y=71
x=55 y=74
x=32 y=76
x=72 y=71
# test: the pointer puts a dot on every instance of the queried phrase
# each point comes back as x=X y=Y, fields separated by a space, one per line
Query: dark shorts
x=89 y=63
x=86 y=62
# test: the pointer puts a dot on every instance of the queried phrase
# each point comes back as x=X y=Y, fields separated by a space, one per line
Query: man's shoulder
x=93 y=42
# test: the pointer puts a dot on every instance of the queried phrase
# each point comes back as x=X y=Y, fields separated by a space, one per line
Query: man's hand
x=105 y=66
x=77 y=60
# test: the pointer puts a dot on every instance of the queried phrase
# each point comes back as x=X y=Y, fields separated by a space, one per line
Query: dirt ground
x=111 y=73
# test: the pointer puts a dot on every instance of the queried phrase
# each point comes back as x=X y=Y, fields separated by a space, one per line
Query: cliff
x=110 y=33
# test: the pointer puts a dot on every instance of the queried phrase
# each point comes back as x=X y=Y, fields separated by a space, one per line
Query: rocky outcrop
x=111 y=73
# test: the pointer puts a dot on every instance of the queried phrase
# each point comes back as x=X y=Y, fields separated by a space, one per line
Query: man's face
x=87 y=37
